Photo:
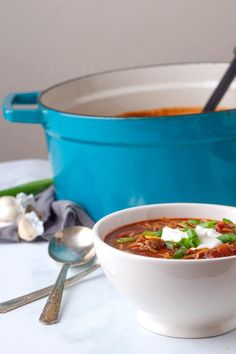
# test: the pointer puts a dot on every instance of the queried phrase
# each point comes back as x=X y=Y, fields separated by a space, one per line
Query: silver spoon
x=19 y=301
x=71 y=246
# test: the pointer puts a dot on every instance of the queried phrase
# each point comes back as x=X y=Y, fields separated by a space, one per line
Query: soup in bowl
x=188 y=297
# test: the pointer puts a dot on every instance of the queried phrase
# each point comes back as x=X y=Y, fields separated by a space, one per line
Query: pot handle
x=15 y=108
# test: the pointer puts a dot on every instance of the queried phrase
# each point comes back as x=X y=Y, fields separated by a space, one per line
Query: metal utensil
x=71 y=246
x=222 y=86
x=17 y=302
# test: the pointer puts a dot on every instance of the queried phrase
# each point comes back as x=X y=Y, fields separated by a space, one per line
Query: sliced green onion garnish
x=195 y=242
x=184 y=242
x=194 y=221
x=191 y=242
x=191 y=233
x=227 y=221
x=227 y=238
x=169 y=245
x=180 y=253
x=157 y=233
x=125 y=239
x=208 y=224
x=184 y=225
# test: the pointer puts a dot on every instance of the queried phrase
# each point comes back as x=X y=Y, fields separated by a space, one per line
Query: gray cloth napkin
x=56 y=215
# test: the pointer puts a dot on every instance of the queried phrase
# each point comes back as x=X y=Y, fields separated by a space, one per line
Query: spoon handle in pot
x=17 y=302
x=51 y=309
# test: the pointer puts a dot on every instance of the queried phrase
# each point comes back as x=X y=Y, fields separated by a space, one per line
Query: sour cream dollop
x=207 y=236
x=175 y=235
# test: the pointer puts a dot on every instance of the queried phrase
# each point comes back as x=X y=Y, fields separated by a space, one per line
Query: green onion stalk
x=28 y=188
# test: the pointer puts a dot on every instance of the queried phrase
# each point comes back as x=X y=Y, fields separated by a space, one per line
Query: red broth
x=144 y=238
x=166 y=111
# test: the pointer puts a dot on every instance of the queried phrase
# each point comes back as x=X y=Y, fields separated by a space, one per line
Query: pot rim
x=97 y=117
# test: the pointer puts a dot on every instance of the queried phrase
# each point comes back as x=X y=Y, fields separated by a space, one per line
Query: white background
x=45 y=42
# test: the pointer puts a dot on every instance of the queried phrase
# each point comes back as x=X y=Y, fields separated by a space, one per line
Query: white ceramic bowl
x=180 y=298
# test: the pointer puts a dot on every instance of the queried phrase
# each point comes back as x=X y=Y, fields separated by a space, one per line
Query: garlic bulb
x=30 y=226
x=8 y=209
x=14 y=210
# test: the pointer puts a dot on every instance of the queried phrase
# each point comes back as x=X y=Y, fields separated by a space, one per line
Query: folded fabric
x=56 y=215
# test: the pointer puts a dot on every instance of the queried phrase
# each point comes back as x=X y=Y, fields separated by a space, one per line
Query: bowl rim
x=147 y=259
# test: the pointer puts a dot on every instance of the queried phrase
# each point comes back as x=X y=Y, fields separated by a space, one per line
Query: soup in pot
x=176 y=238
x=169 y=111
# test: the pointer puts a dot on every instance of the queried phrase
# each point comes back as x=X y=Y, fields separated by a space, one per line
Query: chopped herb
x=180 y=253
x=169 y=245
x=184 y=242
x=157 y=233
x=191 y=242
x=191 y=233
x=227 y=221
x=208 y=224
x=125 y=239
x=227 y=238
x=195 y=242
x=184 y=229
x=184 y=225
x=194 y=221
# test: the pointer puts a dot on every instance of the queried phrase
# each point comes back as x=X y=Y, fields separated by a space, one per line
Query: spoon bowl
x=72 y=245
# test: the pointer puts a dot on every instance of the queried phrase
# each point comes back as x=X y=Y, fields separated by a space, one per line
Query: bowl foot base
x=154 y=324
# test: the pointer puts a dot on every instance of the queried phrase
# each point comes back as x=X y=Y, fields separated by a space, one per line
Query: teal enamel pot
x=105 y=163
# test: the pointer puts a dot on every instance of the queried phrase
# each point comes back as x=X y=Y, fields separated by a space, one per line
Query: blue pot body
x=107 y=164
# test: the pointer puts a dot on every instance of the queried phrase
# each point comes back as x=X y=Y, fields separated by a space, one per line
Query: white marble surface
x=95 y=318
x=13 y=173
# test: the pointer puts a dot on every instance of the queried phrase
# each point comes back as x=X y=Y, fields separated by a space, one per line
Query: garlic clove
x=30 y=226
x=8 y=209
x=8 y=213
x=7 y=201
x=26 y=230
